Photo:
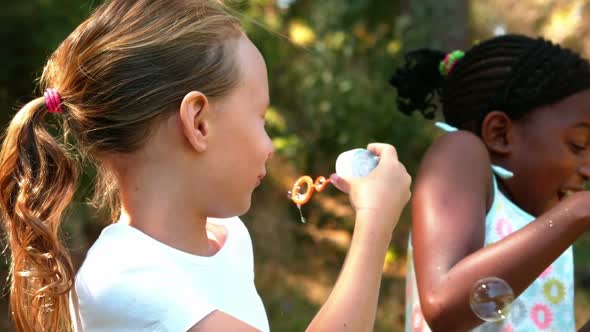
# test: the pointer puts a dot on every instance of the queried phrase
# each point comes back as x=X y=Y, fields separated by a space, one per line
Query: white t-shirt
x=129 y=281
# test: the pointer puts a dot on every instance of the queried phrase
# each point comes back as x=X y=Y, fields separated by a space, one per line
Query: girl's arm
x=452 y=193
x=352 y=304
x=379 y=199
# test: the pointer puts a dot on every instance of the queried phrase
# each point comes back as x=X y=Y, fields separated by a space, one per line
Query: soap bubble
x=491 y=299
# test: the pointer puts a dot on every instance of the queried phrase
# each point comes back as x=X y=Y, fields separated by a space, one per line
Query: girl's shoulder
x=137 y=282
x=452 y=147
x=122 y=248
x=453 y=154
x=458 y=164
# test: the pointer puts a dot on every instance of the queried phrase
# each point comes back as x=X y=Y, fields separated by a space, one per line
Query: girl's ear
x=194 y=113
x=497 y=132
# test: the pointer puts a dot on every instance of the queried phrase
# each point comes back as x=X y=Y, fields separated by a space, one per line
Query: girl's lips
x=565 y=193
x=260 y=177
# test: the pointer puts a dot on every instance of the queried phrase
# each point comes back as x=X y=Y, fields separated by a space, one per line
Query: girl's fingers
x=340 y=183
x=383 y=151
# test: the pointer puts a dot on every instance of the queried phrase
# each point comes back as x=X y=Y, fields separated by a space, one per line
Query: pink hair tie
x=53 y=101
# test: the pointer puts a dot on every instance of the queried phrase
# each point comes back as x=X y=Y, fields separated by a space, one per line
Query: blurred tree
x=329 y=75
x=30 y=31
x=562 y=21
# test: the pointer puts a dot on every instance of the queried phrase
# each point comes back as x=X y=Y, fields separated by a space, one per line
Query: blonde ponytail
x=37 y=182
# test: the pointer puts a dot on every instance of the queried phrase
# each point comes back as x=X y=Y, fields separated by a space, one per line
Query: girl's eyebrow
x=582 y=125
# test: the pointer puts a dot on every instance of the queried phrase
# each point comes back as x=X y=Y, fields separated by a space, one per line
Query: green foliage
x=328 y=75
x=30 y=31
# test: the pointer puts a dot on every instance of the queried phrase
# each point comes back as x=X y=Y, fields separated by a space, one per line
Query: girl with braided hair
x=502 y=196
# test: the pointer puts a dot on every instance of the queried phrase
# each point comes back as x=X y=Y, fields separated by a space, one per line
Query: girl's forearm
x=518 y=259
x=352 y=304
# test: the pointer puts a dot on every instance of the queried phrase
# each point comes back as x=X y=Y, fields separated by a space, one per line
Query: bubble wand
x=352 y=163
x=300 y=198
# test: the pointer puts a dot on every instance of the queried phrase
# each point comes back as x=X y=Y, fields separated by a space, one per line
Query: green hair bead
x=448 y=63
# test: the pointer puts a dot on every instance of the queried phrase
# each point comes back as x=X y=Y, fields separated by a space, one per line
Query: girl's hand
x=385 y=191
x=577 y=206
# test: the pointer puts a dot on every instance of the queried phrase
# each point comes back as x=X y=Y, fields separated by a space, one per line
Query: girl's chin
x=551 y=204
x=244 y=208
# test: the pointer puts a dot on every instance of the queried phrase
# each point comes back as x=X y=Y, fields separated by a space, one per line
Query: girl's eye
x=576 y=148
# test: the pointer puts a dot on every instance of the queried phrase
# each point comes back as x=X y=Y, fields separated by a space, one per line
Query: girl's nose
x=584 y=170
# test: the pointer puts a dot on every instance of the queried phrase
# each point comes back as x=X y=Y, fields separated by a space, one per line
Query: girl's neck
x=160 y=209
x=156 y=200
x=504 y=189
x=193 y=240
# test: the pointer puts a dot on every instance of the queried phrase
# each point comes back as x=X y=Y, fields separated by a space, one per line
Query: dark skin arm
x=452 y=195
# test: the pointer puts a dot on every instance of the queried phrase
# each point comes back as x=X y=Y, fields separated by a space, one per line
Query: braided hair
x=511 y=73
